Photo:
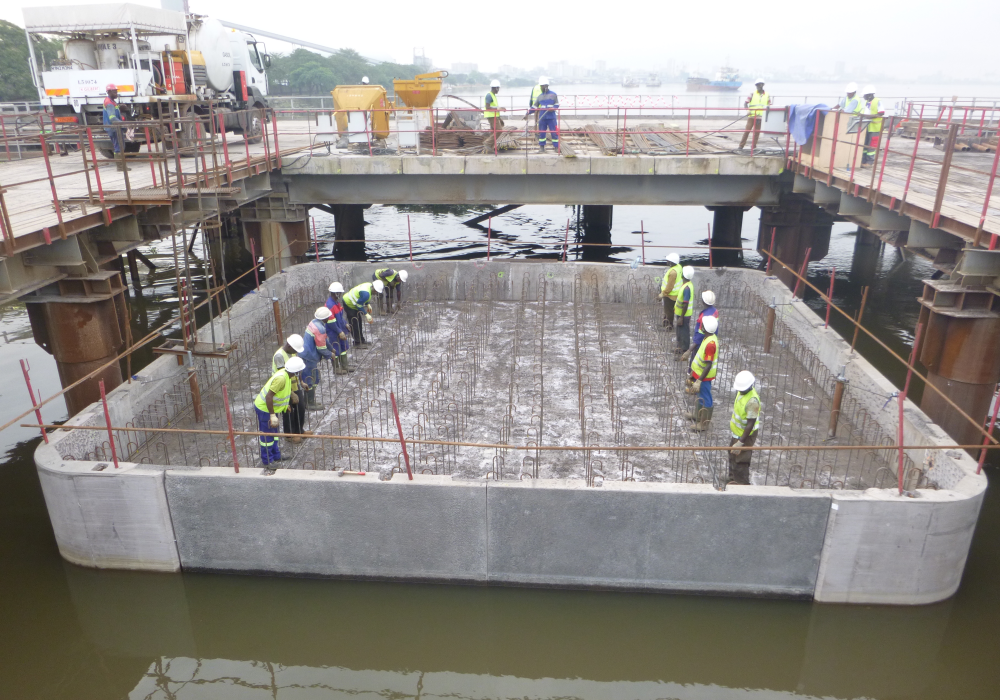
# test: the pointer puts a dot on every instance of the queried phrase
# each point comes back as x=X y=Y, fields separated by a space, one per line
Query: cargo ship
x=653 y=80
x=726 y=80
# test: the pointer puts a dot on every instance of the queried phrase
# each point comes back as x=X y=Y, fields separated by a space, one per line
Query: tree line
x=304 y=72
x=15 y=76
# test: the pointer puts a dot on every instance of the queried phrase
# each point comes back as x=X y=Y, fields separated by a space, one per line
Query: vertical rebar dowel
x=277 y=319
x=409 y=236
x=36 y=404
x=315 y=239
x=838 y=397
x=402 y=440
x=229 y=421
x=829 y=296
x=982 y=453
x=902 y=398
x=107 y=421
x=256 y=275
x=857 y=323
x=770 y=251
x=769 y=328
x=802 y=274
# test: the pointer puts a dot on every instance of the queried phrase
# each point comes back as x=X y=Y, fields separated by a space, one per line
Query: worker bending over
x=683 y=310
x=392 y=279
x=851 y=104
x=671 y=285
x=708 y=298
x=870 y=108
x=492 y=109
x=336 y=329
x=112 y=120
x=274 y=398
x=315 y=349
x=545 y=106
x=357 y=303
x=703 y=369
x=744 y=426
x=758 y=101
x=294 y=418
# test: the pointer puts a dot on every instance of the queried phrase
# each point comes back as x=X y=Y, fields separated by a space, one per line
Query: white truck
x=163 y=62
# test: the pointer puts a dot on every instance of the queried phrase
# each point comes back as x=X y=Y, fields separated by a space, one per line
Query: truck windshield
x=254 y=57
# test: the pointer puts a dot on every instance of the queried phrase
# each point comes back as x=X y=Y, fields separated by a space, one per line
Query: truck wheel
x=254 y=132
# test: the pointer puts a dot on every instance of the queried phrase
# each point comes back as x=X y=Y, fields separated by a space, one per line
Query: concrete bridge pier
x=597 y=222
x=278 y=231
x=798 y=226
x=867 y=256
x=727 y=232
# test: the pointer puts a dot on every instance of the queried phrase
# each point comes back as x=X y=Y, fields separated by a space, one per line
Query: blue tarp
x=802 y=121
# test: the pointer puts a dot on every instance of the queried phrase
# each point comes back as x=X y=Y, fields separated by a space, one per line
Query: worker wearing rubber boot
x=392 y=279
x=547 y=106
x=357 y=303
x=758 y=101
x=870 y=108
x=744 y=426
x=703 y=370
x=492 y=109
x=315 y=349
x=337 y=329
x=112 y=120
x=275 y=397
x=683 y=310
x=708 y=298
x=294 y=418
x=673 y=278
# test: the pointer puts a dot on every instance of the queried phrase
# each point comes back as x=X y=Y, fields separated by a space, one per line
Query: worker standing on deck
x=546 y=106
x=315 y=349
x=744 y=426
x=851 y=104
x=337 y=329
x=708 y=297
x=492 y=109
x=870 y=108
x=392 y=279
x=294 y=418
x=357 y=303
x=703 y=369
x=112 y=120
x=673 y=278
x=683 y=309
x=535 y=92
x=275 y=397
x=758 y=101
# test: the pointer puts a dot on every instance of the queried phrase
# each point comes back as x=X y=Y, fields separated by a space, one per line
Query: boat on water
x=653 y=80
x=726 y=80
x=629 y=81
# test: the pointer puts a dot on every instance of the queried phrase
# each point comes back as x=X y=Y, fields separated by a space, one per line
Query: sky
x=901 y=41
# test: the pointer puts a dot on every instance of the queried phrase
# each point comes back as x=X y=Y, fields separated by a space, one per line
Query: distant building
x=420 y=59
x=465 y=67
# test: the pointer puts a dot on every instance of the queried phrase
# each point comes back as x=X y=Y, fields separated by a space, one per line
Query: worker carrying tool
x=336 y=327
x=275 y=397
x=870 y=108
x=708 y=298
x=392 y=279
x=758 y=101
x=851 y=104
x=744 y=426
x=294 y=419
x=673 y=278
x=546 y=106
x=112 y=120
x=492 y=109
x=357 y=303
x=315 y=349
x=683 y=310
x=703 y=369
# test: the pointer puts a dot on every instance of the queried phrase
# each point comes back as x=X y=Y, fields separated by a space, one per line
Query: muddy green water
x=71 y=633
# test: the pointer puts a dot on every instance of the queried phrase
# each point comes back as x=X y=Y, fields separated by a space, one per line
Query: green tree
x=309 y=73
x=15 y=77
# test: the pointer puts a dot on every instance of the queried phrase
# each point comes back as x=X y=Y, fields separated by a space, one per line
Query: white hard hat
x=403 y=274
x=869 y=90
x=364 y=80
x=494 y=83
x=295 y=342
x=688 y=272
x=378 y=285
x=744 y=380
x=543 y=80
x=673 y=258
x=758 y=81
x=852 y=87
x=322 y=313
x=708 y=297
x=710 y=323
x=295 y=364
x=337 y=287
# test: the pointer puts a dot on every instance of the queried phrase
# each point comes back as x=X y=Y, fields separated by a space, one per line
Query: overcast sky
x=906 y=39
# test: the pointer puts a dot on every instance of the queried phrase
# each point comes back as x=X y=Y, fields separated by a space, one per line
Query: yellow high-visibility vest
x=281 y=396
x=875 y=124
x=700 y=362
x=757 y=103
x=738 y=422
x=491 y=101
x=680 y=299
x=678 y=280
x=285 y=357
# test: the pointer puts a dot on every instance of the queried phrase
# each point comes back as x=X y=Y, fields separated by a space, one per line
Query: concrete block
x=320 y=524
x=433 y=165
x=557 y=165
x=371 y=165
x=496 y=165
x=693 y=165
x=748 y=541
x=630 y=165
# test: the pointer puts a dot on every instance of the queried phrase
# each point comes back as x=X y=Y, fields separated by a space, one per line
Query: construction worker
x=703 y=369
x=492 y=109
x=671 y=284
x=357 y=303
x=744 y=426
x=337 y=328
x=392 y=279
x=545 y=107
x=294 y=418
x=683 y=309
x=315 y=349
x=364 y=80
x=535 y=92
x=870 y=108
x=274 y=398
x=852 y=103
x=708 y=298
x=112 y=120
x=758 y=101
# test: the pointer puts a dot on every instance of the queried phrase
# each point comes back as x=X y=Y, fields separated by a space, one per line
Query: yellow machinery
x=420 y=92
x=362 y=98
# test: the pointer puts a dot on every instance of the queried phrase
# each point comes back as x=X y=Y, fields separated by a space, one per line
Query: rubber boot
x=692 y=415
x=704 y=419
x=311 y=403
x=338 y=365
x=344 y=364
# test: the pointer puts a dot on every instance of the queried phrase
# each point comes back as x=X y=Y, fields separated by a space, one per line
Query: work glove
x=686 y=355
x=342 y=335
x=694 y=388
x=273 y=422
x=369 y=309
x=735 y=452
x=295 y=398
x=368 y=317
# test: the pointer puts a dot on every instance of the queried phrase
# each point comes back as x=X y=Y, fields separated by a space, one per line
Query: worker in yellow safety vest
x=492 y=109
x=744 y=425
x=758 y=101
x=683 y=309
x=851 y=104
x=870 y=108
x=294 y=419
x=673 y=278
x=275 y=397
x=703 y=370
x=536 y=92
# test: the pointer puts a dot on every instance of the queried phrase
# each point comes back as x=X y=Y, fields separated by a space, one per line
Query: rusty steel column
x=838 y=399
x=349 y=239
x=597 y=220
x=727 y=233
x=800 y=226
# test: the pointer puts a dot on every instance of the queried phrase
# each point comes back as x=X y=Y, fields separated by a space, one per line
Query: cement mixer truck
x=163 y=63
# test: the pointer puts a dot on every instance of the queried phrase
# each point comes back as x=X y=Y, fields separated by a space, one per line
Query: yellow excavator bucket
x=420 y=92
x=362 y=98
